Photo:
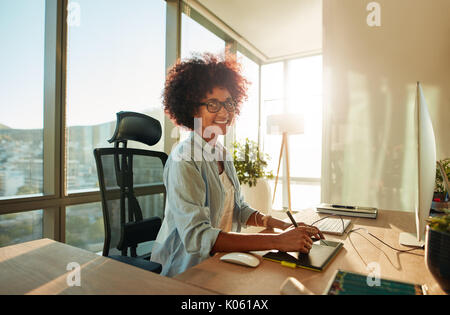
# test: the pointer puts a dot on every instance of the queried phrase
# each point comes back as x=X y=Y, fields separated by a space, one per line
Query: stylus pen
x=292 y=218
x=295 y=223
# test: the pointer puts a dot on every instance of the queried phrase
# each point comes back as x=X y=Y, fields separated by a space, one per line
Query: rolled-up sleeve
x=186 y=195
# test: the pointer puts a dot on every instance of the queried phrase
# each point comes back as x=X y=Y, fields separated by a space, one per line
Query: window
x=248 y=121
x=196 y=39
x=115 y=62
x=22 y=38
x=305 y=96
x=84 y=226
x=20 y=227
x=295 y=87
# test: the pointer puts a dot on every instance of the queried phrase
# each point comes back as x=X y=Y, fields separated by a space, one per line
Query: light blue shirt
x=194 y=205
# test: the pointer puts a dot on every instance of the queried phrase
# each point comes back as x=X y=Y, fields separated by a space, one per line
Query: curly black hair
x=190 y=80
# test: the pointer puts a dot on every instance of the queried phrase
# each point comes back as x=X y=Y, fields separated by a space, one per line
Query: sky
x=115 y=60
x=21 y=63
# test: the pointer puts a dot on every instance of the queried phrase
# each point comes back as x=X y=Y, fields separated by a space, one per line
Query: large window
x=115 y=62
x=295 y=87
x=196 y=39
x=248 y=121
x=22 y=41
x=84 y=226
x=22 y=33
x=20 y=227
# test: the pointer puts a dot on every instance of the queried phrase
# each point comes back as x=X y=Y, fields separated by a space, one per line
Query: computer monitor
x=426 y=168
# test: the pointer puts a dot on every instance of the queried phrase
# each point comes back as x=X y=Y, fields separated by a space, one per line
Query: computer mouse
x=244 y=259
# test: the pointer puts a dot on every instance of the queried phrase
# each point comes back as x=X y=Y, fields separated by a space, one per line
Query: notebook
x=318 y=258
x=350 y=283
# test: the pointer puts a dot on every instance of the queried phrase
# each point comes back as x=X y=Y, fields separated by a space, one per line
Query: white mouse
x=243 y=259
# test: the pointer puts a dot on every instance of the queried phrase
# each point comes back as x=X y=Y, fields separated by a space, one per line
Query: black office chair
x=132 y=190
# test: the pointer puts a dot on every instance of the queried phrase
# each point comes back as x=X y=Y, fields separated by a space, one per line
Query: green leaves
x=439 y=179
x=250 y=162
x=441 y=223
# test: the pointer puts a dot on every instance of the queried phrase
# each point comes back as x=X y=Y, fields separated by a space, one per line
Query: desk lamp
x=285 y=125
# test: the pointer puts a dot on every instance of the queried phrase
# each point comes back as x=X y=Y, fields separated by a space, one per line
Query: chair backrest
x=137 y=127
x=131 y=181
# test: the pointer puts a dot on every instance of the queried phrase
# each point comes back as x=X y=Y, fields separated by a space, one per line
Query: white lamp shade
x=285 y=123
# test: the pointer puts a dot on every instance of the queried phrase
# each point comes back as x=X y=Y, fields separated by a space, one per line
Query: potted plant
x=250 y=164
x=437 y=249
x=440 y=192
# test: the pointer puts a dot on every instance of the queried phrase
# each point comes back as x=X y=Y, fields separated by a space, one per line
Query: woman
x=205 y=210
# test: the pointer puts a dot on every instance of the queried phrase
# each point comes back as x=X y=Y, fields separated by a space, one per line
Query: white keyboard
x=333 y=225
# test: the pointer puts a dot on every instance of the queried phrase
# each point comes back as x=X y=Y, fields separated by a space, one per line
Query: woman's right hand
x=297 y=239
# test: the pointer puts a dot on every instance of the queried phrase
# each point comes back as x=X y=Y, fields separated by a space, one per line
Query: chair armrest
x=138 y=262
x=134 y=233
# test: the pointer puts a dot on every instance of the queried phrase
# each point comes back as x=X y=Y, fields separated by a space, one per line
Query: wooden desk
x=359 y=253
x=40 y=267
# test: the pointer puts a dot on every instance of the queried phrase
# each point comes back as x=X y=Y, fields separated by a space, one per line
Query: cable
x=375 y=237
x=396 y=249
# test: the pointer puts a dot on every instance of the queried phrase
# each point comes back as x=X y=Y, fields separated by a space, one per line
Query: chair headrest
x=136 y=127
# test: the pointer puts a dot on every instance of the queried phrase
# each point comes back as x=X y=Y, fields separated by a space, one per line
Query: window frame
x=282 y=178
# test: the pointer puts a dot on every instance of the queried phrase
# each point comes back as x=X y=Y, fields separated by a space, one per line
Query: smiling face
x=215 y=124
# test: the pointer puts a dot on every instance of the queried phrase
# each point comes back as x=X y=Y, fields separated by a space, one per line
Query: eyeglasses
x=213 y=106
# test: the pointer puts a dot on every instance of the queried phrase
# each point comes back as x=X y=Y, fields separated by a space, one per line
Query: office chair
x=131 y=178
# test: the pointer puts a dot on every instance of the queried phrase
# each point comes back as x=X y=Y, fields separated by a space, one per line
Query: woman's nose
x=223 y=111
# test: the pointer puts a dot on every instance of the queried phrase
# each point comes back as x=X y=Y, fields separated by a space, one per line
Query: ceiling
x=277 y=29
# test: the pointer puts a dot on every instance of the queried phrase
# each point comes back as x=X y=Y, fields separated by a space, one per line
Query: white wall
x=370 y=73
